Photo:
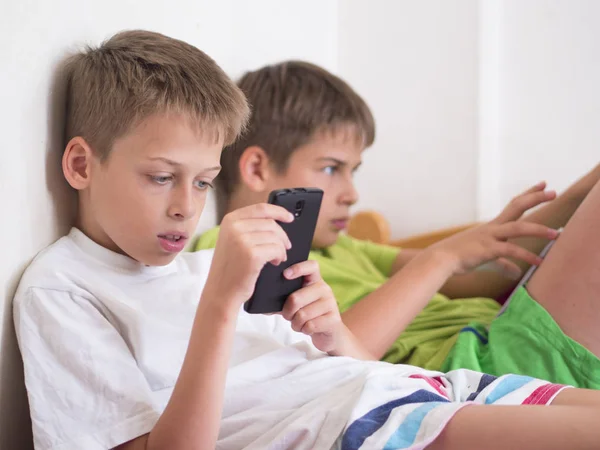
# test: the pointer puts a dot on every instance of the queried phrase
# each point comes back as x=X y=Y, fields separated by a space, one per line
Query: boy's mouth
x=340 y=224
x=173 y=242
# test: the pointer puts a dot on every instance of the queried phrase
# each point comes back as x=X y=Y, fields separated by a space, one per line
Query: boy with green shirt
x=309 y=128
x=354 y=269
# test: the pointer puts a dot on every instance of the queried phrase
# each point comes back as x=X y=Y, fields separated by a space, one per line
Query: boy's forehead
x=161 y=130
x=169 y=137
x=159 y=126
x=345 y=147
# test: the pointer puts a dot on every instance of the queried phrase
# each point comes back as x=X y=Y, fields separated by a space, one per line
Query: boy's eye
x=329 y=170
x=202 y=185
x=161 y=179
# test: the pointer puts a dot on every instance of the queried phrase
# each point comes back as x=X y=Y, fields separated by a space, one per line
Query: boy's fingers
x=507 y=249
x=269 y=253
x=508 y=268
x=307 y=269
x=524 y=229
x=299 y=300
x=303 y=297
x=321 y=324
x=519 y=205
x=262 y=237
x=264 y=211
x=308 y=313
x=536 y=187
x=257 y=225
x=255 y=238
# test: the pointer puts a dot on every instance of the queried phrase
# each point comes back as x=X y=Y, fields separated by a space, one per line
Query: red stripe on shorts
x=435 y=383
x=543 y=394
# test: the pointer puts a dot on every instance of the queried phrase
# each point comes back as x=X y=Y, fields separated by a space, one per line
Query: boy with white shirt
x=128 y=345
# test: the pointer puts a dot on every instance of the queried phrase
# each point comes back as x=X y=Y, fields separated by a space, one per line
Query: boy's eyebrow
x=339 y=162
x=176 y=164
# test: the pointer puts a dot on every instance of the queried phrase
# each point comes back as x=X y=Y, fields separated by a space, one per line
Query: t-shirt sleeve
x=84 y=387
x=382 y=256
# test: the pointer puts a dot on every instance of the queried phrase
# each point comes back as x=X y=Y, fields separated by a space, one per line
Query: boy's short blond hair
x=290 y=103
x=136 y=74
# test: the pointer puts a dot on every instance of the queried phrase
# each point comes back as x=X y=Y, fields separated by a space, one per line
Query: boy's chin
x=165 y=260
x=156 y=260
x=326 y=239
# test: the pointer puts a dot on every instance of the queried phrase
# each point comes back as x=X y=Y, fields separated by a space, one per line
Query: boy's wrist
x=343 y=342
x=219 y=301
x=440 y=260
x=349 y=345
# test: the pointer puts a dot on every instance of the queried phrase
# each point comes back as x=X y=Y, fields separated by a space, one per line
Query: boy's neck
x=85 y=222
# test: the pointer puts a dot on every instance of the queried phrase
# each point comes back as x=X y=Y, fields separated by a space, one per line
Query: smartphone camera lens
x=299 y=208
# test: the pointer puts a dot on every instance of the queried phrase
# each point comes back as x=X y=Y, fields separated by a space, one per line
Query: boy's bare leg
x=571 y=422
x=567 y=284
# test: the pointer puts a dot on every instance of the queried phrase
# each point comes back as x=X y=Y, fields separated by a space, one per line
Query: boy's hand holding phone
x=272 y=288
x=249 y=238
x=313 y=310
x=254 y=242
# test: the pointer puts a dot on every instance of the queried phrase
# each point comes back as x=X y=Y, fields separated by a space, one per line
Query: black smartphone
x=272 y=288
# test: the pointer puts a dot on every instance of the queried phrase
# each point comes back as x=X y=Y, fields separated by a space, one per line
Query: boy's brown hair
x=135 y=74
x=290 y=103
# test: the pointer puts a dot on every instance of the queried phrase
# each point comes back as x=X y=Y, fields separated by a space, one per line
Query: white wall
x=474 y=101
x=545 y=86
x=34 y=35
x=415 y=63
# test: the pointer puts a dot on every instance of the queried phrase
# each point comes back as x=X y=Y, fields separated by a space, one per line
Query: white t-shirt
x=103 y=338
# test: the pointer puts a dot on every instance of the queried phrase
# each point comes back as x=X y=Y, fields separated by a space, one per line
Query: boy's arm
x=192 y=416
x=486 y=284
x=379 y=318
x=404 y=257
x=554 y=214
x=191 y=419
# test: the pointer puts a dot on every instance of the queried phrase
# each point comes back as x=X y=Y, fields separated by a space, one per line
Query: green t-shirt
x=355 y=268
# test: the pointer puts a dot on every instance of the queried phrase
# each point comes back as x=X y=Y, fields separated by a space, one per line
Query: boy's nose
x=349 y=196
x=182 y=206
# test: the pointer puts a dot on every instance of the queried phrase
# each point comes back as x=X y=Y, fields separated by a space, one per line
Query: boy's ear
x=76 y=163
x=255 y=168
